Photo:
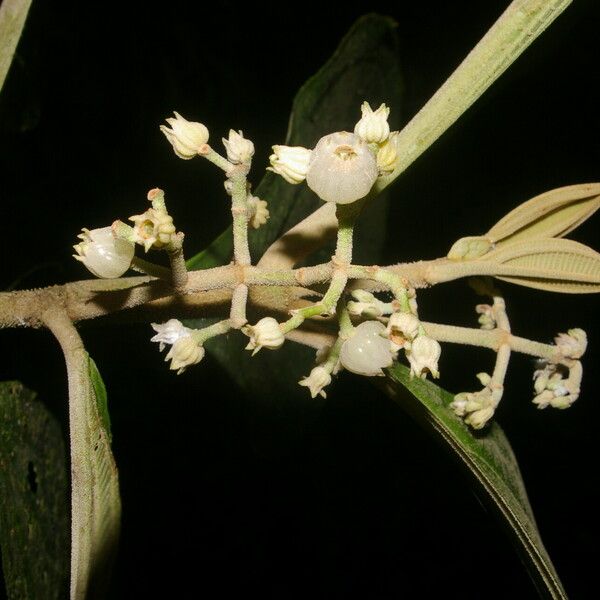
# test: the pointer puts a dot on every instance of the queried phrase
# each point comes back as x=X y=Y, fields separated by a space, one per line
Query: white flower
x=103 y=254
x=386 y=155
x=318 y=379
x=572 y=344
x=169 y=332
x=186 y=137
x=291 y=162
x=373 y=127
x=259 y=213
x=153 y=229
x=402 y=329
x=184 y=353
x=423 y=356
x=265 y=334
x=239 y=149
x=367 y=352
x=342 y=169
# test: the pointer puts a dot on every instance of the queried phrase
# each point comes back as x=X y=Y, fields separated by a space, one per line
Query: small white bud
x=259 y=213
x=423 y=356
x=486 y=319
x=184 y=353
x=291 y=162
x=318 y=379
x=342 y=169
x=480 y=418
x=373 y=127
x=367 y=352
x=387 y=154
x=169 y=332
x=103 y=254
x=265 y=334
x=239 y=149
x=186 y=137
x=572 y=344
x=153 y=229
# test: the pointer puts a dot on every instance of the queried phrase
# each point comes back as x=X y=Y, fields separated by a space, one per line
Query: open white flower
x=373 y=127
x=423 y=356
x=185 y=136
x=318 y=379
x=102 y=253
x=402 y=329
x=153 y=229
x=265 y=334
x=239 y=149
x=169 y=332
x=291 y=162
x=342 y=168
x=367 y=352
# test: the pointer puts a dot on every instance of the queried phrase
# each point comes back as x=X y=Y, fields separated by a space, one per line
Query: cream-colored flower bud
x=373 y=127
x=239 y=149
x=367 y=352
x=291 y=162
x=486 y=319
x=169 y=332
x=479 y=418
x=423 y=356
x=342 y=169
x=265 y=334
x=186 y=137
x=572 y=344
x=153 y=229
x=387 y=154
x=184 y=353
x=402 y=328
x=259 y=213
x=103 y=254
x=318 y=379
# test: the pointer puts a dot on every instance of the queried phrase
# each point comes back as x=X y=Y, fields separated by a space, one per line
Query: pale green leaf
x=553 y=214
x=489 y=461
x=34 y=517
x=13 y=14
x=557 y=265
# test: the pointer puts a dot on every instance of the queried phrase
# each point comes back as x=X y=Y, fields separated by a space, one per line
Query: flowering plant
x=360 y=318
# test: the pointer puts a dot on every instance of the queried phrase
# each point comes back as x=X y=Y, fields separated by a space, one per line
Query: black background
x=343 y=498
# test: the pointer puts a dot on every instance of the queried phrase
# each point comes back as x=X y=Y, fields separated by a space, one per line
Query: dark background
x=343 y=498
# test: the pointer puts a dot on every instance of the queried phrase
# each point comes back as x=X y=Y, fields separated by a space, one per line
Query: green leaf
x=365 y=66
x=489 y=461
x=34 y=519
x=12 y=20
x=95 y=500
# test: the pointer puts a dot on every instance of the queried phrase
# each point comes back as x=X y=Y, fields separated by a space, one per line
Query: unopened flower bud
x=184 y=353
x=572 y=344
x=259 y=213
x=186 y=137
x=291 y=162
x=373 y=127
x=367 y=352
x=479 y=418
x=342 y=168
x=387 y=154
x=423 y=356
x=265 y=334
x=239 y=149
x=318 y=379
x=103 y=254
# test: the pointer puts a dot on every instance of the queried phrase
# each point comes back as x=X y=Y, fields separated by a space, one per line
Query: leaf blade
x=13 y=14
x=490 y=463
x=34 y=520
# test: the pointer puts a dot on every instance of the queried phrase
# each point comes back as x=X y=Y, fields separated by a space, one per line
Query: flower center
x=345 y=152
